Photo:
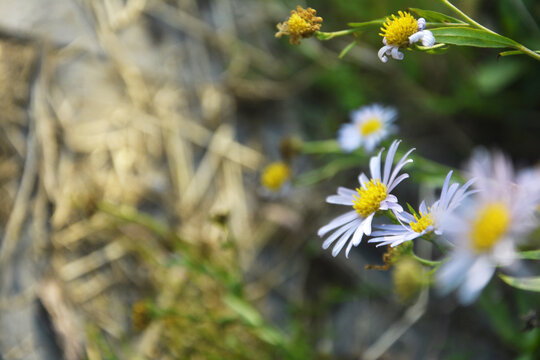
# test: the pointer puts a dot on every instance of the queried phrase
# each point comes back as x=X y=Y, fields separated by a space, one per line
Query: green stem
x=425 y=261
x=529 y=52
x=519 y=47
x=466 y=17
x=321 y=35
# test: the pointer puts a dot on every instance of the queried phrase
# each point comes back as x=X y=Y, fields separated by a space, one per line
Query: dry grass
x=118 y=162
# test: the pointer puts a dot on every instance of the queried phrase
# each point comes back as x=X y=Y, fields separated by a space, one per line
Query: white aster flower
x=402 y=31
x=374 y=194
x=429 y=219
x=275 y=180
x=486 y=231
x=370 y=124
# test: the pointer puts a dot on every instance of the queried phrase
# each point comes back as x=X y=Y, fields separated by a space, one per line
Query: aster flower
x=374 y=194
x=402 y=31
x=301 y=24
x=429 y=218
x=486 y=231
x=370 y=124
x=275 y=179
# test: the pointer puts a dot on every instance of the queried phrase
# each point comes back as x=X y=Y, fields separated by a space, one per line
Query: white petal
x=389 y=160
x=326 y=244
x=402 y=162
x=340 y=200
x=478 y=277
x=341 y=242
x=348 y=137
x=343 y=191
x=356 y=239
x=450 y=193
x=363 y=179
x=396 y=54
x=366 y=224
x=340 y=220
x=453 y=272
x=382 y=52
x=445 y=184
x=375 y=166
x=423 y=209
x=396 y=208
x=428 y=40
x=415 y=37
x=421 y=23
x=396 y=182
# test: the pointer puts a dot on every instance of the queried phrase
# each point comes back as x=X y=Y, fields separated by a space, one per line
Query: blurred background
x=132 y=136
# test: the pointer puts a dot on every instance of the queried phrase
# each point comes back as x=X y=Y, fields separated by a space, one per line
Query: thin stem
x=425 y=261
x=321 y=35
x=519 y=47
x=466 y=17
x=529 y=52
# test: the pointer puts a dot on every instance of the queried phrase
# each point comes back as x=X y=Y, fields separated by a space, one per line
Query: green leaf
x=372 y=23
x=253 y=318
x=530 y=255
x=464 y=36
x=515 y=52
x=347 y=49
x=244 y=310
x=433 y=16
x=528 y=283
x=411 y=209
x=435 y=49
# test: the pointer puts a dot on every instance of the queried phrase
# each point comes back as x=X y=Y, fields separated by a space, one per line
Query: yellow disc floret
x=297 y=25
x=396 y=30
x=275 y=175
x=421 y=223
x=489 y=226
x=370 y=126
x=369 y=199
x=301 y=24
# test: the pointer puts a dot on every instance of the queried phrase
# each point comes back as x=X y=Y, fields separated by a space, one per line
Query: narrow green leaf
x=435 y=49
x=347 y=49
x=411 y=209
x=530 y=255
x=515 y=52
x=244 y=310
x=433 y=16
x=528 y=283
x=372 y=23
x=464 y=36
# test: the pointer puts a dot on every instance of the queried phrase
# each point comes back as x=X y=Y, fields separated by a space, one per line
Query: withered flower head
x=301 y=24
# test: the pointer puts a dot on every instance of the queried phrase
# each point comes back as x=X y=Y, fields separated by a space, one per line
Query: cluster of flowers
x=398 y=32
x=483 y=220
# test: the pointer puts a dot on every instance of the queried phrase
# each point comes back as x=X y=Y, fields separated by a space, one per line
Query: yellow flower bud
x=301 y=24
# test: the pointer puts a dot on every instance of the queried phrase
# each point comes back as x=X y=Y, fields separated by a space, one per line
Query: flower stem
x=469 y=20
x=425 y=261
x=321 y=35
x=529 y=52
x=466 y=17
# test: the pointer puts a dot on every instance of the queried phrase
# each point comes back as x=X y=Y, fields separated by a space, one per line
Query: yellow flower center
x=297 y=25
x=275 y=175
x=370 y=126
x=489 y=226
x=397 y=30
x=421 y=223
x=302 y=23
x=369 y=199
